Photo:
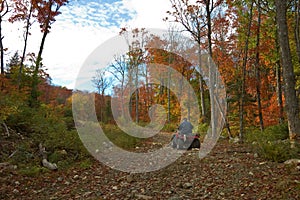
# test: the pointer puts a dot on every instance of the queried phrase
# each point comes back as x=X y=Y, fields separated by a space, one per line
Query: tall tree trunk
x=188 y=99
x=245 y=59
x=1 y=47
x=28 y=24
x=103 y=105
x=201 y=87
x=297 y=27
x=130 y=83
x=34 y=90
x=4 y=11
x=278 y=73
x=136 y=97
x=169 y=95
x=291 y=105
x=257 y=69
x=209 y=9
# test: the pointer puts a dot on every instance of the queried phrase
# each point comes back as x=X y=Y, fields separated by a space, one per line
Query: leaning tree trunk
x=35 y=80
x=45 y=162
x=291 y=105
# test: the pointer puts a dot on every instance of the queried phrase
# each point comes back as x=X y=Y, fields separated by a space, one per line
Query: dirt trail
x=230 y=171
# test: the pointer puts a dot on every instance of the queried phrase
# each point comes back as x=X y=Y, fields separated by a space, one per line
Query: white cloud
x=68 y=48
x=150 y=13
x=82 y=26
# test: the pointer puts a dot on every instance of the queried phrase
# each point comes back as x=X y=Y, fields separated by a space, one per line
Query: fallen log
x=45 y=162
x=6 y=129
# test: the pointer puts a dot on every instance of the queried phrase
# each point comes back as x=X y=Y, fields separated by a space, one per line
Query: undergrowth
x=272 y=143
x=54 y=129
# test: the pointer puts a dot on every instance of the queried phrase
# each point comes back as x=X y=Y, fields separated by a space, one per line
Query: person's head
x=185 y=119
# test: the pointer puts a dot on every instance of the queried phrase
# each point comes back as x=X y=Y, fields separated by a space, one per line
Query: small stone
x=63 y=152
x=15 y=191
x=98 y=193
x=179 y=184
x=133 y=192
x=175 y=198
x=229 y=165
x=14 y=167
x=114 y=187
x=141 y=196
x=59 y=179
x=292 y=162
x=262 y=163
x=129 y=179
x=87 y=194
x=17 y=183
x=187 y=186
x=76 y=176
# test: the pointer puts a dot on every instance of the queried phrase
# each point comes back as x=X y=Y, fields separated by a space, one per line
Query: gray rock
x=292 y=162
x=129 y=179
x=141 y=196
x=175 y=198
x=187 y=186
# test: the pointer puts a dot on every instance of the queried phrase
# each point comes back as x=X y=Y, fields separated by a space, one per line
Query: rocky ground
x=230 y=171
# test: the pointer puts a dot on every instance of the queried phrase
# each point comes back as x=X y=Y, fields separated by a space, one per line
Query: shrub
x=272 y=144
x=171 y=127
x=32 y=171
x=120 y=138
x=202 y=128
x=45 y=125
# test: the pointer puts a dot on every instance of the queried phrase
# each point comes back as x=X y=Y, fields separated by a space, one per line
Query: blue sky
x=83 y=26
x=103 y=13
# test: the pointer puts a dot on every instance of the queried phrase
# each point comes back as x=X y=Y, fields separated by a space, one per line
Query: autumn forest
x=254 y=46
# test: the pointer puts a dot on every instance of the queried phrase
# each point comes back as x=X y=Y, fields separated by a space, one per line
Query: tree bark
x=45 y=162
x=4 y=11
x=201 y=87
x=35 y=81
x=243 y=88
x=291 y=104
x=1 y=48
x=297 y=27
x=257 y=70
x=278 y=73
x=28 y=24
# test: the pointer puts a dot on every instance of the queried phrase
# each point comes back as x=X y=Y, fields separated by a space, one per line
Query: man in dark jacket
x=185 y=127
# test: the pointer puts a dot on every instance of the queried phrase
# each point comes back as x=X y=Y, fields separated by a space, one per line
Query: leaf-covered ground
x=230 y=171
